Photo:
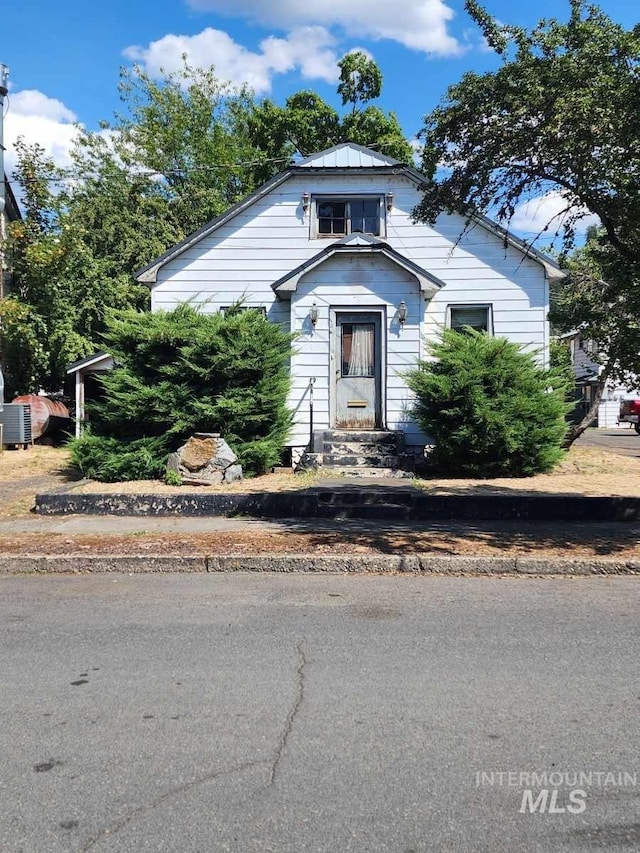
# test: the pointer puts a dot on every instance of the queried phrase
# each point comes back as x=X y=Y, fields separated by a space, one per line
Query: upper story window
x=476 y=317
x=337 y=217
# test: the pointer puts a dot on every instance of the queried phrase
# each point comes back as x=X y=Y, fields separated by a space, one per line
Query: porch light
x=402 y=313
x=306 y=202
x=389 y=200
x=313 y=314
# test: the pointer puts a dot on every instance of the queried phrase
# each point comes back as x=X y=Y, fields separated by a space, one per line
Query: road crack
x=209 y=777
x=174 y=792
x=293 y=712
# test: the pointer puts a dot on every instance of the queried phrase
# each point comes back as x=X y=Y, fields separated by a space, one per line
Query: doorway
x=358 y=370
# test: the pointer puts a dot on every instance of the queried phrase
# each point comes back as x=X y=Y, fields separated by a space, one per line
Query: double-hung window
x=337 y=217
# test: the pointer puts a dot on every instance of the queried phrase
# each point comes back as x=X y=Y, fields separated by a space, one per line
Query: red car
x=630 y=413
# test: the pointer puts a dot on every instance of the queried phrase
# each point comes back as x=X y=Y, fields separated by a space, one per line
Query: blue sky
x=64 y=58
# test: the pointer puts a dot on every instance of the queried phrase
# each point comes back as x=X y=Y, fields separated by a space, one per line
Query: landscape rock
x=205 y=460
x=197 y=452
x=233 y=473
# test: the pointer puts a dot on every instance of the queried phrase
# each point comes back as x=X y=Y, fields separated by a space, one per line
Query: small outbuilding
x=84 y=372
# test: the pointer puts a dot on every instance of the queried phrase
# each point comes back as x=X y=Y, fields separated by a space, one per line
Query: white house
x=329 y=249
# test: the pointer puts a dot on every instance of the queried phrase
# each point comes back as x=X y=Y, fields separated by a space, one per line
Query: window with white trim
x=337 y=217
x=478 y=317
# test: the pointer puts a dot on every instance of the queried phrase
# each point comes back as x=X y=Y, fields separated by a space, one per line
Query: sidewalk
x=80 y=543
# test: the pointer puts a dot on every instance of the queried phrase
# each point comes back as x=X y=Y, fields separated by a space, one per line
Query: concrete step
x=372 y=436
x=361 y=472
x=373 y=460
x=359 y=448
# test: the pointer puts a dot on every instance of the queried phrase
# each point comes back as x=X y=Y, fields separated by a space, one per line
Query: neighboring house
x=587 y=369
x=11 y=213
x=329 y=249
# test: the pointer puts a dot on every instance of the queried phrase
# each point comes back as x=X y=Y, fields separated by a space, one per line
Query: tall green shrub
x=181 y=372
x=490 y=409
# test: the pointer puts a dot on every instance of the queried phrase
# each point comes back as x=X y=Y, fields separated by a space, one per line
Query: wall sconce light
x=306 y=202
x=313 y=314
x=389 y=200
x=402 y=313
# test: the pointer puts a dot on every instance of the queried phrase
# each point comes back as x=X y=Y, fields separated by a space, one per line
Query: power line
x=65 y=175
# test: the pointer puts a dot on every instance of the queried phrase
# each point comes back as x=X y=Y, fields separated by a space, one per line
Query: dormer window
x=337 y=217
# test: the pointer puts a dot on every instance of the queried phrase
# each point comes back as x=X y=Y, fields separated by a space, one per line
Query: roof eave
x=88 y=361
x=284 y=287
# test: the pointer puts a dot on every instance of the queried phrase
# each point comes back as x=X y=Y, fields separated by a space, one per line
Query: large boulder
x=205 y=460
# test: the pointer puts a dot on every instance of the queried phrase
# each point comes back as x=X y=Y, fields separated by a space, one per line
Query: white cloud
x=308 y=49
x=42 y=120
x=417 y=24
x=532 y=216
x=32 y=102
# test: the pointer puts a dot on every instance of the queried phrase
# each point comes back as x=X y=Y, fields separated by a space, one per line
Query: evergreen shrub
x=182 y=371
x=488 y=406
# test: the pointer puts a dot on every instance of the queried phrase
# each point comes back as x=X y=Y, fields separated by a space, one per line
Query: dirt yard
x=584 y=471
x=587 y=471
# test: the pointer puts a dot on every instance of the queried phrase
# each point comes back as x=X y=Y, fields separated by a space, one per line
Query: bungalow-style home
x=329 y=249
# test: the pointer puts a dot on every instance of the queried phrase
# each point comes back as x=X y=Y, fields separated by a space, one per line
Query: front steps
x=358 y=453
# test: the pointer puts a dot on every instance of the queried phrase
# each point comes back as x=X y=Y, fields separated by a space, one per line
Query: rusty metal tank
x=47 y=415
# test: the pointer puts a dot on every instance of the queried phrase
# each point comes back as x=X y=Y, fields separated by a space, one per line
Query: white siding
x=266 y=241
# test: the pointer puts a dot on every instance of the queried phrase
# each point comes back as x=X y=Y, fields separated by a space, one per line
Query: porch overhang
x=360 y=245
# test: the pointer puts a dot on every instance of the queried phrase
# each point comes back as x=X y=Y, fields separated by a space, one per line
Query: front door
x=358 y=371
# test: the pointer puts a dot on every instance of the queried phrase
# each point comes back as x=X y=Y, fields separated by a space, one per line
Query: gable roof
x=343 y=158
x=347 y=155
x=356 y=244
x=100 y=360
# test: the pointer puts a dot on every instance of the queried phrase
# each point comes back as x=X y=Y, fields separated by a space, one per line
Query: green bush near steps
x=489 y=407
x=180 y=372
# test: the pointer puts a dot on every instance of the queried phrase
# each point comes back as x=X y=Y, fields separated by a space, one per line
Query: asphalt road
x=309 y=713
x=624 y=441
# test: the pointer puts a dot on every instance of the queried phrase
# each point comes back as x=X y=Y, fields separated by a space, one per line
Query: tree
x=596 y=299
x=122 y=214
x=360 y=79
x=491 y=410
x=189 y=132
x=37 y=335
x=307 y=123
x=560 y=114
x=70 y=255
x=181 y=372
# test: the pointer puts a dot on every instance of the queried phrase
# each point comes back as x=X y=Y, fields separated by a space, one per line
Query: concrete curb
x=422 y=564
